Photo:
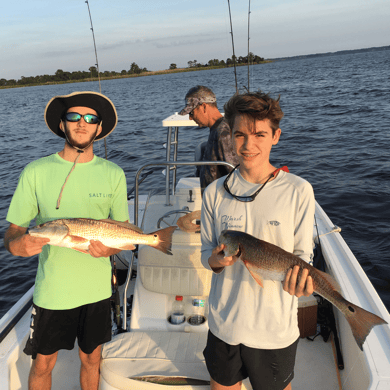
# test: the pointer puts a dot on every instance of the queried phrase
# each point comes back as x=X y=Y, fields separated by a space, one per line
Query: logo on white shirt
x=230 y=222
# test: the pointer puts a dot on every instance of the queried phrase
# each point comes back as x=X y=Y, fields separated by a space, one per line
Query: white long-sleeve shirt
x=240 y=311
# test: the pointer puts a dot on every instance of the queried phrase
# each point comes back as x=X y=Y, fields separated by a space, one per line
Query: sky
x=39 y=37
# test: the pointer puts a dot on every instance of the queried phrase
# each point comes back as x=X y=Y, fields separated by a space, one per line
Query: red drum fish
x=78 y=232
x=267 y=261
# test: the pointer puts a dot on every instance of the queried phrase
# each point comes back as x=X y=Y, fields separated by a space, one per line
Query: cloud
x=160 y=43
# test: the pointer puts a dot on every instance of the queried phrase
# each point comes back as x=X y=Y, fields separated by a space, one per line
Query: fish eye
x=155 y=235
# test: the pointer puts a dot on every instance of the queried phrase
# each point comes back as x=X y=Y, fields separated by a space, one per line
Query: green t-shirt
x=97 y=189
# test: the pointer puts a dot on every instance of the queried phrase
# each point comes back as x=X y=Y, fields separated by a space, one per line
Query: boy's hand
x=218 y=261
x=303 y=287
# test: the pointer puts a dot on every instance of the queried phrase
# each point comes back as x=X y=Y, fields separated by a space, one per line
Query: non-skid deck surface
x=315 y=367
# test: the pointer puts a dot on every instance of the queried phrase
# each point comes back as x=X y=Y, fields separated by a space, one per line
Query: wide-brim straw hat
x=58 y=105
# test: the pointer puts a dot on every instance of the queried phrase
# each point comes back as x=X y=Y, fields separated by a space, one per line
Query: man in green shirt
x=72 y=289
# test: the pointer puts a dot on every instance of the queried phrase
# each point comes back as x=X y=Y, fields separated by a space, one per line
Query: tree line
x=64 y=76
x=251 y=58
x=61 y=76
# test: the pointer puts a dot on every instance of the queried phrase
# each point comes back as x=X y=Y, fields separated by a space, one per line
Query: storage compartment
x=307 y=316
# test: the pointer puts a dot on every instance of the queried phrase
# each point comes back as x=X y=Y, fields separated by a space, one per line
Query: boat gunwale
x=15 y=313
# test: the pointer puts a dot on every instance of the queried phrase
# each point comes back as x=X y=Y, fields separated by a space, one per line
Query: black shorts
x=267 y=369
x=52 y=330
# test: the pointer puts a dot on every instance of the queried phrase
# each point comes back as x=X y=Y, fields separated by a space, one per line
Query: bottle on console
x=197 y=314
x=177 y=314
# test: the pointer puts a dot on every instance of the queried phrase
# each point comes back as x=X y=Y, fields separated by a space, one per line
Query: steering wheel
x=169 y=213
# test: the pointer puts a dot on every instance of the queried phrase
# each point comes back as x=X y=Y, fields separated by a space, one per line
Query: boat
x=149 y=352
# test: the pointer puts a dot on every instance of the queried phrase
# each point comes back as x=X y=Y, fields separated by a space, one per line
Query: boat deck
x=310 y=356
x=315 y=365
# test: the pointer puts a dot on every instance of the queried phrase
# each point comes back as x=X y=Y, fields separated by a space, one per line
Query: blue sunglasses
x=75 y=117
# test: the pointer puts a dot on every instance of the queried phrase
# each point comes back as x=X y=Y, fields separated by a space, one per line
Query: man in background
x=201 y=105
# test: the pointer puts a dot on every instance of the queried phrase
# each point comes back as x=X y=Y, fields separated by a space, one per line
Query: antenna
x=249 y=12
x=97 y=65
x=234 y=56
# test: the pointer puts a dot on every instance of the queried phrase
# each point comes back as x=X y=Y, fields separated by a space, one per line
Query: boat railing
x=172 y=123
x=18 y=310
x=168 y=189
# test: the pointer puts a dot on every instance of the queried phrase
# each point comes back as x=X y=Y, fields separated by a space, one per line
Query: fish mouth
x=35 y=229
x=237 y=254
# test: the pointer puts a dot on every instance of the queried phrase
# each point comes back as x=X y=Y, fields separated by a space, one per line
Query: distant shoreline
x=148 y=73
x=195 y=69
x=335 y=53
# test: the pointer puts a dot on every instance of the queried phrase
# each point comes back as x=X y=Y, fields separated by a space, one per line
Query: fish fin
x=252 y=270
x=165 y=239
x=185 y=222
x=77 y=239
x=127 y=225
x=361 y=322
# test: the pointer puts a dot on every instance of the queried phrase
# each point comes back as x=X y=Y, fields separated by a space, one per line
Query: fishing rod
x=234 y=56
x=249 y=12
x=97 y=65
x=116 y=303
x=94 y=44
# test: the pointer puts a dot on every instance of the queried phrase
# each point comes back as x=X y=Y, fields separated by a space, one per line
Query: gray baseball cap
x=195 y=99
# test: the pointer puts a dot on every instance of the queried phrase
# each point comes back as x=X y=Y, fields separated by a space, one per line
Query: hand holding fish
x=97 y=249
x=26 y=246
x=304 y=286
x=218 y=261
x=266 y=261
x=21 y=244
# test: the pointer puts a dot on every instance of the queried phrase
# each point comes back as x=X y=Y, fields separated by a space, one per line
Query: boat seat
x=137 y=354
x=161 y=277
x=179 y=274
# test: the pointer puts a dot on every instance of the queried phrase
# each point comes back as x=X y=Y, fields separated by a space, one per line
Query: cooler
x=307 y=316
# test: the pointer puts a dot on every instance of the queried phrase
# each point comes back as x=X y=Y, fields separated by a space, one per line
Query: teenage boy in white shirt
x=254 y=331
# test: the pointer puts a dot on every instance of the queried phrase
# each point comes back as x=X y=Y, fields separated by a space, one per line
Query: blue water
x=335 y=133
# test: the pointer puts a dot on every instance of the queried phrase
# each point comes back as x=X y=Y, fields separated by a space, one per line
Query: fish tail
x=361 y=322
x=165 y=239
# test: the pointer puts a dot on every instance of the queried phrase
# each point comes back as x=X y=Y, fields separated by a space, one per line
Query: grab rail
x=167 y=187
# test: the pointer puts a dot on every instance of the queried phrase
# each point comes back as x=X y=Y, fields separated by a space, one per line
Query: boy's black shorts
x=267 y=369
x=52 y=330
